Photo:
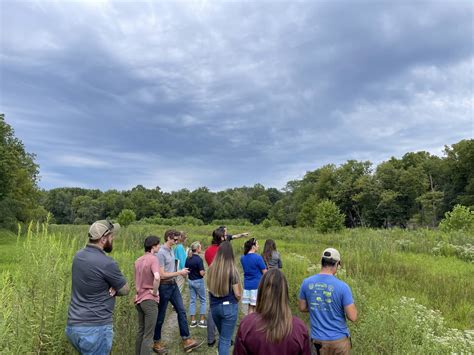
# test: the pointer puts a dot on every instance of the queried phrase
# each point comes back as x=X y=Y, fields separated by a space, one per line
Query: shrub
x=329 y=217
x=461 y=218
x=126 y=217
x=267 y=223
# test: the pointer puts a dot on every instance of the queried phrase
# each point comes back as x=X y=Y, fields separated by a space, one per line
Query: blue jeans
x=170 y=293
x=197 y=288
x=92 y=340
x=225 y=317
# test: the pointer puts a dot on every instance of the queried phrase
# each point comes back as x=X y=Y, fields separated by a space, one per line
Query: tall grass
x=411 y=298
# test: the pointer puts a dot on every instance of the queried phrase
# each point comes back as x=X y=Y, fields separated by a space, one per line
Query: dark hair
x=150 y=242
x=171 y=234
x=249 y=244
x=217 y=236
x=268 y=249
x=328 y=262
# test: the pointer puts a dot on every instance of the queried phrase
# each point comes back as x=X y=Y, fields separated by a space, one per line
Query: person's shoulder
x=275 y=254
x=249 y=319
x=298 y=323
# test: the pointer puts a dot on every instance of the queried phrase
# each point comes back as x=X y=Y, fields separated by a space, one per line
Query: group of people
x=268 y=328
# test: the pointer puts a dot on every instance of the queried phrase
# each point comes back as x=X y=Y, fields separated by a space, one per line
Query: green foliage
x=231 y=222
x=461 y=218
x=173 y=221
x=18 y=178
x=267 y=223
x=307 y=215
x=126 y=217
x=328 y=217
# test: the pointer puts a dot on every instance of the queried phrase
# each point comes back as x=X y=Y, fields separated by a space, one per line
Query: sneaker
x=159 y=347
x=211 y=344
x=193 y=324
x=190 y=344
x=202 y=324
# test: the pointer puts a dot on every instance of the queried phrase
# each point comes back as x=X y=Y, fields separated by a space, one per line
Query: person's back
x=250 y=340
x=253 y=266
x=93 y=275
x=329 y=301
x=275 y=261
x=327 y=296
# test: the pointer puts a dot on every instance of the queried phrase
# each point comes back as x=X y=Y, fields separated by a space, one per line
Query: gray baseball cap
x=101 y=228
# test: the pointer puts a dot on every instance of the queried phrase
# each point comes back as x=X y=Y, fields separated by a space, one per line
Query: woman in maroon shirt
x=272 y=329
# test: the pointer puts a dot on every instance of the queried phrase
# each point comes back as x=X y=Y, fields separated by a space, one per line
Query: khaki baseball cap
x=101 y=228
x=331 y=253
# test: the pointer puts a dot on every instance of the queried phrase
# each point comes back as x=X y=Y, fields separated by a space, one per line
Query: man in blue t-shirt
x=328 y=301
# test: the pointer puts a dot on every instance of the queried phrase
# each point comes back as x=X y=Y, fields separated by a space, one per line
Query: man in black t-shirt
x=96 y=280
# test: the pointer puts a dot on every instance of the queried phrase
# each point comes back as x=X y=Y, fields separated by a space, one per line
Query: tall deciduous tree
x=18 y=179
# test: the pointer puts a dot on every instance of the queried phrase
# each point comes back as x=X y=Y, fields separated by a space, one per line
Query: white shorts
x=250 y=297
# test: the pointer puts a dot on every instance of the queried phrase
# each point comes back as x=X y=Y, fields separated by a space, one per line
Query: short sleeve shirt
x=210 y=254
x=93 y=274
x=326 y=297
x=230 y=297
x=145 y=268
x=195 y=265
x=253 y=266
x=180 y=255
x=167 y=260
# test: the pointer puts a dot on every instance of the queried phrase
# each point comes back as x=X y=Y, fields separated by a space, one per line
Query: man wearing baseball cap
x=329 y=301
x=96 y=280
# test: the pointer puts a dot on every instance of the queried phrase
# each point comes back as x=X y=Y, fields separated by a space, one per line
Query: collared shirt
x=93 y=273
x=166 y=260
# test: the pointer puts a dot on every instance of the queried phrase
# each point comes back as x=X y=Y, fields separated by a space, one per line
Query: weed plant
x=411 y=299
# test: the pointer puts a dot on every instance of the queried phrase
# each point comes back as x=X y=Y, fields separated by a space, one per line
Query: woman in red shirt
x=272 y=329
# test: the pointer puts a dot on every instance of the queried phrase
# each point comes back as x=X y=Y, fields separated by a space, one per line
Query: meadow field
x=413 y=289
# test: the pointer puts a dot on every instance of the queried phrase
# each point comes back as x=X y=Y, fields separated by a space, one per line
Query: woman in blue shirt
x=254 y=267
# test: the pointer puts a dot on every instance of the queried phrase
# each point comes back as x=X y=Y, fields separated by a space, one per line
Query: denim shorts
x=250 y=297
x=91 y=340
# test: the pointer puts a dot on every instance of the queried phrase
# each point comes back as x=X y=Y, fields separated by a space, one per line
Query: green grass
x=385 y=268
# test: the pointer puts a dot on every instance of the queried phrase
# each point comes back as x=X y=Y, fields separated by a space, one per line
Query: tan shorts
x=332 y=347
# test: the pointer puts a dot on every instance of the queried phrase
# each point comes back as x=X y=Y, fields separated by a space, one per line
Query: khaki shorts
x=332 y=347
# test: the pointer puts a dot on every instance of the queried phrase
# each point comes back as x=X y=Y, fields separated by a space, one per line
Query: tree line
x=416 y=189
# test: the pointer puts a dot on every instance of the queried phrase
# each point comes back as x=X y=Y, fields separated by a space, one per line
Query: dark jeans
x=170 y=293
x=211 y=328
x=225 y=317
x=147 y=313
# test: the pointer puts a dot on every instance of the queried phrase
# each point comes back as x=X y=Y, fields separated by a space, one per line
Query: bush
x=267 y=223
x=126 y=217
x=329 y=217
x=461 y=218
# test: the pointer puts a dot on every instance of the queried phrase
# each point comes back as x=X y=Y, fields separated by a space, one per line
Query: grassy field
x=414 y=289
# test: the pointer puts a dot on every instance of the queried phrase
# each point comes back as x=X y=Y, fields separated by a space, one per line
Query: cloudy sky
x=182 y=94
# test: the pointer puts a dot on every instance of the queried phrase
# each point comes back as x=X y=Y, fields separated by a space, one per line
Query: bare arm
x=240 y=235
x=303 y=305
x=237 y=291
x=351 y=312
x=156 y=283
x=168 y=275
x=202 y=272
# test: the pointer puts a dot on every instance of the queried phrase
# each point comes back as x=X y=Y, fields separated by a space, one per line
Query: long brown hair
x=222 y=270
x=268 y=249
x=276 y=320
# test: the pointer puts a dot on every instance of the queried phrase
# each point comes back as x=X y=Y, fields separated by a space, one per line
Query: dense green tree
x=126 y=217
x=329 y=217
x=19 y=195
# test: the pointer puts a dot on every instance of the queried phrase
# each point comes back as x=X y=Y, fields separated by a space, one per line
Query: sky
x=184 y=94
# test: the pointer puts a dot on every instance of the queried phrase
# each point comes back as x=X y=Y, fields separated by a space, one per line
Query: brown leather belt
x=168 y=282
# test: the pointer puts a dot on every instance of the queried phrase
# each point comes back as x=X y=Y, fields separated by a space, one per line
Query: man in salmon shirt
x=147 y=281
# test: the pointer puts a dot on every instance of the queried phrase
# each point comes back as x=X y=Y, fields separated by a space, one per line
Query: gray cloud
x=186 y=94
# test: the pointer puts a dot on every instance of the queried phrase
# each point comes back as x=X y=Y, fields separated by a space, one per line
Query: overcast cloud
x=225 y=94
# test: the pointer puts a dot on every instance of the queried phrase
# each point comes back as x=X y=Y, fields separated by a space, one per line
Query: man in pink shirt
x=147 y=281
